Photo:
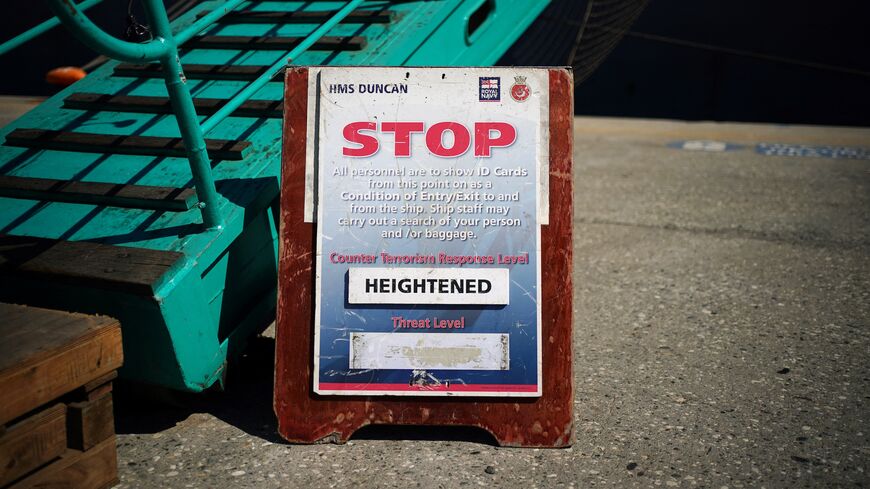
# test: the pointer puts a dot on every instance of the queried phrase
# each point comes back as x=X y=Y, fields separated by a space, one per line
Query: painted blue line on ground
x=807 y=151
x=704 y=145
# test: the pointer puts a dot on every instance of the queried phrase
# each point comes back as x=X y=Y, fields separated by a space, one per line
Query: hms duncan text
x=368 y=88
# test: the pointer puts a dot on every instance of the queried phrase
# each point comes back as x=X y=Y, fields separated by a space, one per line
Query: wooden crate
x=56 y=422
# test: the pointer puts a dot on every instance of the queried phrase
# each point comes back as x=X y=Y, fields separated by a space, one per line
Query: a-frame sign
x=425 y=255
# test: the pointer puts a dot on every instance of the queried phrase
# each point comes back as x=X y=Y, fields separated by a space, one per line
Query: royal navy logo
x=490 y=88
x=519 y=90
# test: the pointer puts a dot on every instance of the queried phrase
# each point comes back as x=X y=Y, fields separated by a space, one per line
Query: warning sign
x=428 y=189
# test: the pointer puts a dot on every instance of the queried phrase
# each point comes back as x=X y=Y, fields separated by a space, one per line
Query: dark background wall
x=667 y=79
x=642 y=77
x=23 y=69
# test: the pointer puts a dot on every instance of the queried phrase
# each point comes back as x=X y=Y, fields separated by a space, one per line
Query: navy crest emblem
x=490 y=89
x=520 y=91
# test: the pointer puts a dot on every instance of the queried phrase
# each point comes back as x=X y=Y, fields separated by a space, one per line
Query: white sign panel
x=428 y=187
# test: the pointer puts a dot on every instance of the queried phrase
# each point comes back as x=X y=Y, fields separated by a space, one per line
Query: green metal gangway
x=148 y=190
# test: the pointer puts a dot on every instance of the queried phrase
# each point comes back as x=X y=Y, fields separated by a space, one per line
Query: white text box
x=467 y=286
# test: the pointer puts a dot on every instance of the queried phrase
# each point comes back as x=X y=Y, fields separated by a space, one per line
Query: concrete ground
x=721 y=338
x=13 y=107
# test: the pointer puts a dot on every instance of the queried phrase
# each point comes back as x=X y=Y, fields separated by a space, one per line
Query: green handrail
x=180 y=38
x=163 y=49
x=40 y=29
x=95 y=38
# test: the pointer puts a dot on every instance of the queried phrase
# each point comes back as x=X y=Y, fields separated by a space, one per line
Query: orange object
x=65 y=75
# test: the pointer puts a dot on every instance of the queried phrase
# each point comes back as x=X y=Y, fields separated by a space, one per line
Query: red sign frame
x=305 y=417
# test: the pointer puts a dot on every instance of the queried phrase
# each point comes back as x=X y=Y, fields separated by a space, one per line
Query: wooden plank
x=275 y=43
x=98 y=193
x=14 y=106
x=120 y=268
x=99 y=387
x=45 y=354
x=221 y=149
x=32 y=442
x=197 y=71
x=90 y=422
x=304 y=17
x=96 y=468
x=160 y=105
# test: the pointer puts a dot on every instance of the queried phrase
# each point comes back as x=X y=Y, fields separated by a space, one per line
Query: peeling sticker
x=438 y=351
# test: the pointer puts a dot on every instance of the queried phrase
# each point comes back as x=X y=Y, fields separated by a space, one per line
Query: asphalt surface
x=721 y=339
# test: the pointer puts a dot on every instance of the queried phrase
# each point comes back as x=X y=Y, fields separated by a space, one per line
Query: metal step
x=275 y=43
x=220 y=149
x=98 y=193
x=160 y=105
x=278 y=17
x=197 y=71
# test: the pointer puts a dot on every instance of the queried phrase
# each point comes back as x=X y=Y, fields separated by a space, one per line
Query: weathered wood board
x=32 y=442
x=56 y=423
x=45 y=354
x=136 y=270
x=96 y=468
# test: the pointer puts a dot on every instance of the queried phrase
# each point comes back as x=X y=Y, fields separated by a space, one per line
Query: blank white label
x=436 y=351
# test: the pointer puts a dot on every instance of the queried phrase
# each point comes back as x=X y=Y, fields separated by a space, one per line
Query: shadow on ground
x=246 y=403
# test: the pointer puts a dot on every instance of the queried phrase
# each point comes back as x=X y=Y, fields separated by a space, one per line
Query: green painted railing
x=163 y=48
